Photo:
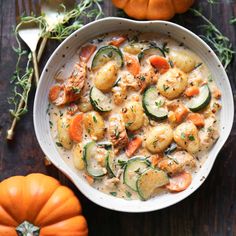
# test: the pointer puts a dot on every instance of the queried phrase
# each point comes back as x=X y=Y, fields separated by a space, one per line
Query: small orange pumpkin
x=39 y=205
x=153 y=9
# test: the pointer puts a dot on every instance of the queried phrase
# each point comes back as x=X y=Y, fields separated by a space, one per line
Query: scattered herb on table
x=232 y=20
x=220 y=43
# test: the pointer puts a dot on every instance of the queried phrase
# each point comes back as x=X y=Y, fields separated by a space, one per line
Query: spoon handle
x=41 y=48
x=36 y=69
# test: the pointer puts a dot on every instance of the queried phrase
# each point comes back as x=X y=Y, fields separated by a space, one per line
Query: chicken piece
x=117 y=132
x=209 y=133
x=177 y=162
x=70 y=91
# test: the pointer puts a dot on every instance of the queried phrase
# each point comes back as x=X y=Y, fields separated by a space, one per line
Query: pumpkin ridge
x=7 y=183
x=36 y=215
x=63 y=219
x=7 y=213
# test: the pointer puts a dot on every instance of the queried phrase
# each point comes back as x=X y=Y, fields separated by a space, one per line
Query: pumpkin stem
x=27 y=229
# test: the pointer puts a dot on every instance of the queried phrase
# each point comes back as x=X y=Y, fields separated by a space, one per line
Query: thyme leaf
x=220 y=43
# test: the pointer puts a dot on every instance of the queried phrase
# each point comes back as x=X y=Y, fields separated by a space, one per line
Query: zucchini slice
x=106 y=145
x=201 y=100
x=150 y=52
x=152 y=103
x=111 y=165
x=149 y=181
x=93 y=168
x=133 y=169
x=105 y=54
x=99 y=100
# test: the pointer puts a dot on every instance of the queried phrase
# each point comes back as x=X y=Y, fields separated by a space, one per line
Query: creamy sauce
x=134 y=44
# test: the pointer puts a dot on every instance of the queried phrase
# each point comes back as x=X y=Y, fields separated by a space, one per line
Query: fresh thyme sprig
x=220 y=43
x=21 y=82
x=232 y=20
x=22 y=78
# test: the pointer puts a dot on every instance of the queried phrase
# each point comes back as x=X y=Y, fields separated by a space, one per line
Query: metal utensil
x=30 y=33
x=54 y=13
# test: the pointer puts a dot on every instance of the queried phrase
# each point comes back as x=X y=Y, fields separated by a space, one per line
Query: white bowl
x=64 y=53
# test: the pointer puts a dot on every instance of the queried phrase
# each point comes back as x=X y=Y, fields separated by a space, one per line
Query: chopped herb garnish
x=183 y=135
x=171 y=63
x=113 y=194
x=210 y=79
x=142 y=78
x=165 y=87
x=48 y=108
x=110 y=54
x=138 y=171
x=155 y=143
x=59 y=144
x=117 y=132
x=61 y=113
x=95 y=119
x=198 y=65
x=191 y=138
x=128 y=124
x=165 y=48
x=122 y=163
x=140 y=56
x=159 y=103
x=50 y=124
x=128 y=194
x=75 y=90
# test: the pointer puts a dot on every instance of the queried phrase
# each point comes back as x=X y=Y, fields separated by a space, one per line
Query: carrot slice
x=160 y=63
x=180 y=112
x=132 y=65
x=76 y=128
x=155 y=159
x=89 y=178
x=117 y=40
x=192 y=91
x=54 y=92
x=133 y=146
x=179 y=182
x=197 y=119
x=86 y=52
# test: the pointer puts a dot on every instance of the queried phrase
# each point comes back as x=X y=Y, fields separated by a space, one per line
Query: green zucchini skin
x=204 y=96
x=101 y=105
x=150 y=180
x=147 y=50
x=154 y=113
x=107 y=53
x=110 y=165
x=133 y=166
x=87 y=156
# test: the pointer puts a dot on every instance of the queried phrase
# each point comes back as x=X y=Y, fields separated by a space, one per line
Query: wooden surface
x=211 y=210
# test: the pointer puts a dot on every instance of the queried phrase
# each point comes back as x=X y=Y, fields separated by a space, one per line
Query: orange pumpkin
x=37 y=204
x=153 y=9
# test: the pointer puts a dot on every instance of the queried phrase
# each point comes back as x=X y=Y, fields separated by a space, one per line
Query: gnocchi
x=63 y=132
x=106 y=76
x=172 y=83
x=94 y=124
x=133 y=115
x=159 y=138
x=77 y=153
x=183 y=59
x=186 y=136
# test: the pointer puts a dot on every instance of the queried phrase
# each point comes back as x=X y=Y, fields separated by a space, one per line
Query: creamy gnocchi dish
x=135 y=114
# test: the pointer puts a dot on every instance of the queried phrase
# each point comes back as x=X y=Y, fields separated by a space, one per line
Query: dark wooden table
x=211 y=210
